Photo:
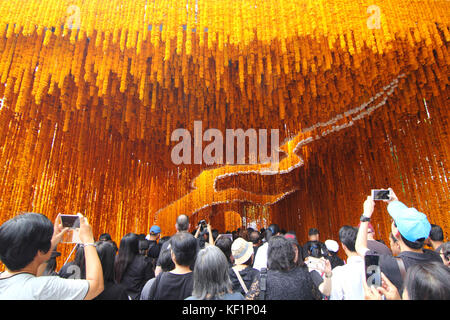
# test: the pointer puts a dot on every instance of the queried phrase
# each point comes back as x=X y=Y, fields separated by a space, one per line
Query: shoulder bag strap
x=263 y=284
x=240 y=280
x=401 y=266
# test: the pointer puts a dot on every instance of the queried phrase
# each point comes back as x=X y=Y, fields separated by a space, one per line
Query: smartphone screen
x=380 y=194
x=70 y=221
x=373 y=272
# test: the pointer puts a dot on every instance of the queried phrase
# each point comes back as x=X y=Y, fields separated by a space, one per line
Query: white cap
x=332 y=245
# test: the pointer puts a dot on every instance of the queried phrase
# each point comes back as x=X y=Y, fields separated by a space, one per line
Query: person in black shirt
x=243 y=258
x=224 y=244
x=436 y=238
x=132 y=270
x=410 y=227
x=313 y=244
x=333 y=248
x=154 y=247
x=284 y=280
x=113 y=291
x=182 y=225
x=178 y=283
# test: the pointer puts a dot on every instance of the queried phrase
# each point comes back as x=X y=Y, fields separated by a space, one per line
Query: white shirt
x=261 y=257
x=25 y=286
x=347 y=280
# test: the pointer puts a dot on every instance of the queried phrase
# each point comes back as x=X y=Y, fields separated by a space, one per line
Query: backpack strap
x=241 y=281
x=263 y=284
x=401 y=266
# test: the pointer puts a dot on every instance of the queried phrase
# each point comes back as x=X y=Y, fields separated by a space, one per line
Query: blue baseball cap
x=411 y=223
x=155 y=229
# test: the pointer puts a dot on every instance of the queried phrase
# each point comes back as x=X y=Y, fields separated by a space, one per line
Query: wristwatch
x=364 y=219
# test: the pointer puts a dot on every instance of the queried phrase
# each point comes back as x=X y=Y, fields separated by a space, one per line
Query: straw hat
x=241 y=250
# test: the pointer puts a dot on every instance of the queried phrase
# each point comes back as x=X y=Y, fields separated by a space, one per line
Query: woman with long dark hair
x=107 y=254
x=284 y=280
x=132 y=270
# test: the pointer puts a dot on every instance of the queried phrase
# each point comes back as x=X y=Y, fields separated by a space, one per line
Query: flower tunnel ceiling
x=91 y=92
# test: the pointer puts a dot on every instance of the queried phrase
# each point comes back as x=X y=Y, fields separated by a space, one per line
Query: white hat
x=332 y=245
x=241 y=250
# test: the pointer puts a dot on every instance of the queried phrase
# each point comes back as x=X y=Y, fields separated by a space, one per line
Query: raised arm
x=361 y=238
x=94 y=272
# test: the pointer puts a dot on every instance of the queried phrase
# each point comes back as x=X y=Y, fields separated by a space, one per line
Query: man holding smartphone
x=26 y=243
x=410 y=227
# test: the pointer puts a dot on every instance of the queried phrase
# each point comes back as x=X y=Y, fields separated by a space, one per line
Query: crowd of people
x=245 y=264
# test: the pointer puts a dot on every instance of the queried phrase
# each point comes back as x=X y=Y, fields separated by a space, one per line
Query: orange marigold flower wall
x=91 y=91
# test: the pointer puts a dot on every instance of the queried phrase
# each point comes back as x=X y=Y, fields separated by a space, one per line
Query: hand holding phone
x=85 y=231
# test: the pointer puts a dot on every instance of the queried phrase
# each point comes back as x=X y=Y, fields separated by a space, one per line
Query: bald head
x=182 y=223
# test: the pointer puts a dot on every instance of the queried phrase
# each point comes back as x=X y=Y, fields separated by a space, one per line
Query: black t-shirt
x=335 y=261
x=378 y=248
x=112 y=291
x=316 y=277
x=170 y=286
x=389 y=265
x=248 y=275
x=154 y=248
x=138 y=272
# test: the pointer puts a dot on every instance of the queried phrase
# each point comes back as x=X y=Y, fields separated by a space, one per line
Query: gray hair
x=182 y=223
x=211 y=277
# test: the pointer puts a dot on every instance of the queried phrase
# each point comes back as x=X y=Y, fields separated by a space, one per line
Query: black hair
x=280 y=254
x=428 y=281
x=271 y=230
x=143 y=245
x=80 y=261
x=105 y=237
x=313 y=231
x=50 y=268
x=224 y=244
x=274 y=228
x=215 y=234
x=184 y=248
x=436 y=233
x=347 y=235
x=22 y=237
x=107 y=254
x=296 y=246
x=316 y=249
x=128 y=250
x=165 y=260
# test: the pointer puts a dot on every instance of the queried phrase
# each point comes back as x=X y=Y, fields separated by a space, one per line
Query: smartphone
x=373 y=271
x=70 y=221
x=314 y=263
x=381 y=194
